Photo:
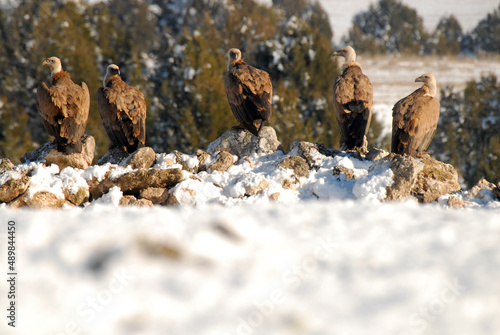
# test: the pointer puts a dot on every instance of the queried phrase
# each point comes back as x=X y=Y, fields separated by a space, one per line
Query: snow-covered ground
x=225 y=263
x=313 y=267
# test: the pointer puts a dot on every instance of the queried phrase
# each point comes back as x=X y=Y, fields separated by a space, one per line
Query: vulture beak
x=419 y=80
x=45 y=63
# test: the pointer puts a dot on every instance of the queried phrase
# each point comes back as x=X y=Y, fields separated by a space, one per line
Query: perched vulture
x=249 y=92
x=123 y=111
x=352 y=102
x=64 y=107
x=415 y=118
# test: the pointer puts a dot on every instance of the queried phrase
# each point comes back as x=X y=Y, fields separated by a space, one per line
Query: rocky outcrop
x=142 y=158
x=311 y=152
x=241 y=143
x=12 y=185
x=48 y=154
x=297 y=164
x=135 y=181
x=423 y=177
x=223 y=161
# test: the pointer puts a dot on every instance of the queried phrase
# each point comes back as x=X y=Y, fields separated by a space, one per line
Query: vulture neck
x=234 y=63
x=350 y=63
x=58 y=75
x=108 y=78
x=432 y=89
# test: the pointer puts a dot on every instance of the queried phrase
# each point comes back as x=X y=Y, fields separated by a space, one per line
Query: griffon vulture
x=123 y=111
x=352 y=101
x=64 y=107
x=415 y=118
x=249 y=92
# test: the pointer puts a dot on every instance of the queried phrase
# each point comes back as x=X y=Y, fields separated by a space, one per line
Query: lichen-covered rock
x=223 y=161
x=375 y=154
x=157 y=195
x=142 y=158
x=13 y=184
x=5 y=165
x=77 y=198
x=130 y=200
x=41 y=199
x=251 y=190
x=114 y=155
x=241 y=143
x=405 y=169
x=434 y=180
x=48 y=154
x=339 y=169
x=297 y=164
x=202 y=156
x=137 y=180
x=311 y=152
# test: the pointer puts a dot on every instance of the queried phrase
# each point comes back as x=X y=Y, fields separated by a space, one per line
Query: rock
x=241 y=143
x=311 y=151
x=133 y=182
x=274 y=197
x=251 y=190
x=202 y=158
x=339 y=169
x=455 y=202
x=157 y=195
x=424 y=177
x=5 y=165
x=188 y=162
x=435 y=180
x=114 y=155
x=482 y=184
x=77 y=198
x=15 y=184
x=41 y=199
x=290 y=183
x=48 y=154
x=223 y=161
x=375 y=154
x=142 y=158
x=38 y=155
x=130 y=200
x=297 y=164
x=405 y=169
x=172 y=200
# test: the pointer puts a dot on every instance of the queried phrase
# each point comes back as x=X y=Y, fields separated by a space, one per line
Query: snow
x=313 y=267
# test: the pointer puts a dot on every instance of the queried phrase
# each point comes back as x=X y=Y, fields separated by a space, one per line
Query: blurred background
x=174 y=51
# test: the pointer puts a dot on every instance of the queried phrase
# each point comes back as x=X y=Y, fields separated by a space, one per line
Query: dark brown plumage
x=64 y=107
x=249 y=92
x=353 y=102
x=123 y=111
x=415 y=118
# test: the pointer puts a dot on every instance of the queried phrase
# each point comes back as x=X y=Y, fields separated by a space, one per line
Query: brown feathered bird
x=123 y=111
x=352 y=102
x=415 y=118
x=249 y=92
x=64 y=107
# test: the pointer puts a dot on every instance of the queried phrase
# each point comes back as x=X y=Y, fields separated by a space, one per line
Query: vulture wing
x=353 y=104
x=414 y=122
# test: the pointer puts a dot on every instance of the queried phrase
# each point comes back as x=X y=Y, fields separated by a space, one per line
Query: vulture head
x=54 y=64
x=348 y=53
x=112 y=70
x=430 y=81
x=232 y=56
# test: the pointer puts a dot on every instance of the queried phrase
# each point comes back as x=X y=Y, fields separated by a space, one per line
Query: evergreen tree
x=448 y=36
x=388 y=27
x=486 y=35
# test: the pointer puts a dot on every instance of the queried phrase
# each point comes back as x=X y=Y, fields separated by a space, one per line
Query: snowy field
x=314 y=267
x=325 y=256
